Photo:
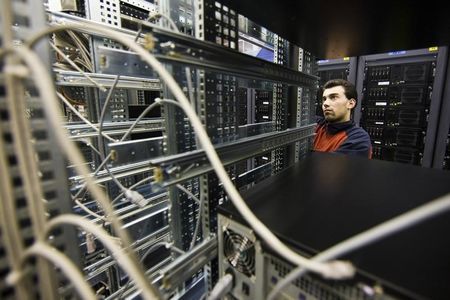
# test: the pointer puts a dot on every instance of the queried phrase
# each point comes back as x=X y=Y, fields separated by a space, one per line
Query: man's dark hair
x=349 y=88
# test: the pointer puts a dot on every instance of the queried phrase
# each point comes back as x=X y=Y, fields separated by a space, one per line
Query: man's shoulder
x=358 y=133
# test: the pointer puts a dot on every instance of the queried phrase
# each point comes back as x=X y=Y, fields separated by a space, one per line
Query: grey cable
x=50 y=101
x=73 y=109
x=143 y=257
x=100 y=139
x=199 y=214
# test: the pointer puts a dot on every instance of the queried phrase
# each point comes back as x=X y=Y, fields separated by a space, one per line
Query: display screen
x=255 y=50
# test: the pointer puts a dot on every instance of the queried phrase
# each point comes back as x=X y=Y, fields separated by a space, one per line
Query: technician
x=336 y=131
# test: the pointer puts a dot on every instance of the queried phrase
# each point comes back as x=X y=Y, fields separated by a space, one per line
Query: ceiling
x=333 y=29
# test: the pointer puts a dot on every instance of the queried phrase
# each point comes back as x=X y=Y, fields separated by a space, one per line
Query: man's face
x=335 y=105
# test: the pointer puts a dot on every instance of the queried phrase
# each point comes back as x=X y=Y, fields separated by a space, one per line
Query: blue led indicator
x=397 y=52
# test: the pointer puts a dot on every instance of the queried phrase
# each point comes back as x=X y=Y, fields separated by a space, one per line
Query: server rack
x=302 y=102
x=400 y=99
x=339 y=68
x=33 y=187
x=441 y=158
x=160 y=159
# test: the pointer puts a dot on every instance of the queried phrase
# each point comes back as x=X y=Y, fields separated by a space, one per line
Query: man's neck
x=339 y=121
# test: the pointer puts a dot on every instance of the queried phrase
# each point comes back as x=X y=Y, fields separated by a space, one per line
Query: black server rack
x=400 y=100
x=302 y=100
x=441 y=158
x=339 y=68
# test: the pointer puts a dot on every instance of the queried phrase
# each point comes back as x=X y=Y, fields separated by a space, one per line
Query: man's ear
x=351 y=103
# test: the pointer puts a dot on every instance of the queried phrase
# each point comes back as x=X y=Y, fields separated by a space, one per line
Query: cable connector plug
x=338 y=269
x=136 y=198
x=154 y=16
x=90 y=243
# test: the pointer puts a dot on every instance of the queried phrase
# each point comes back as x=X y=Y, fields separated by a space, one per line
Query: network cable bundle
x=125 y=124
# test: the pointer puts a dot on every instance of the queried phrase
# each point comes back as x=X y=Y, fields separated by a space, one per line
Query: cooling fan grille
x=240 y=252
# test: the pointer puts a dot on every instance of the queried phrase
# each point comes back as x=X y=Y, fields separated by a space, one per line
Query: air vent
x=405 y=156
x=415 y=72
x=409 y=117
x=412 y=95
x=240 y=252
x=408 y=138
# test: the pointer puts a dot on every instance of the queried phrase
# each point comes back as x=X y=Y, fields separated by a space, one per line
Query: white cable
x=50 y=105
x=334 y=270
x=171 y=22
x=222 y=287
x=132 y=187
x=16 y=71
x=147 y=109
x=144 y=256
x=199 y=214
x=103 y=113
x=74 y=65
x=197 y=225
x=93 y=175
x=87 y=143
x=385 y=229
x=116 y=251
x=132 y=196
x=157 y=102
x=176 y=249
x=136 y=198
x=79 y=42
x=61 y=41
x=156 y=15
x=75 y=111
x=188 y=192
x=67 y=267
x=83 y=187
x=168 y=101
x=190 y=88
x=23 y=146
x=88 y=211
x=83 y=50
x=153 y=16
x=100 y=140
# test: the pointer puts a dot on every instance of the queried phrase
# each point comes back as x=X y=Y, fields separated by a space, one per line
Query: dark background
x=333 y=29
